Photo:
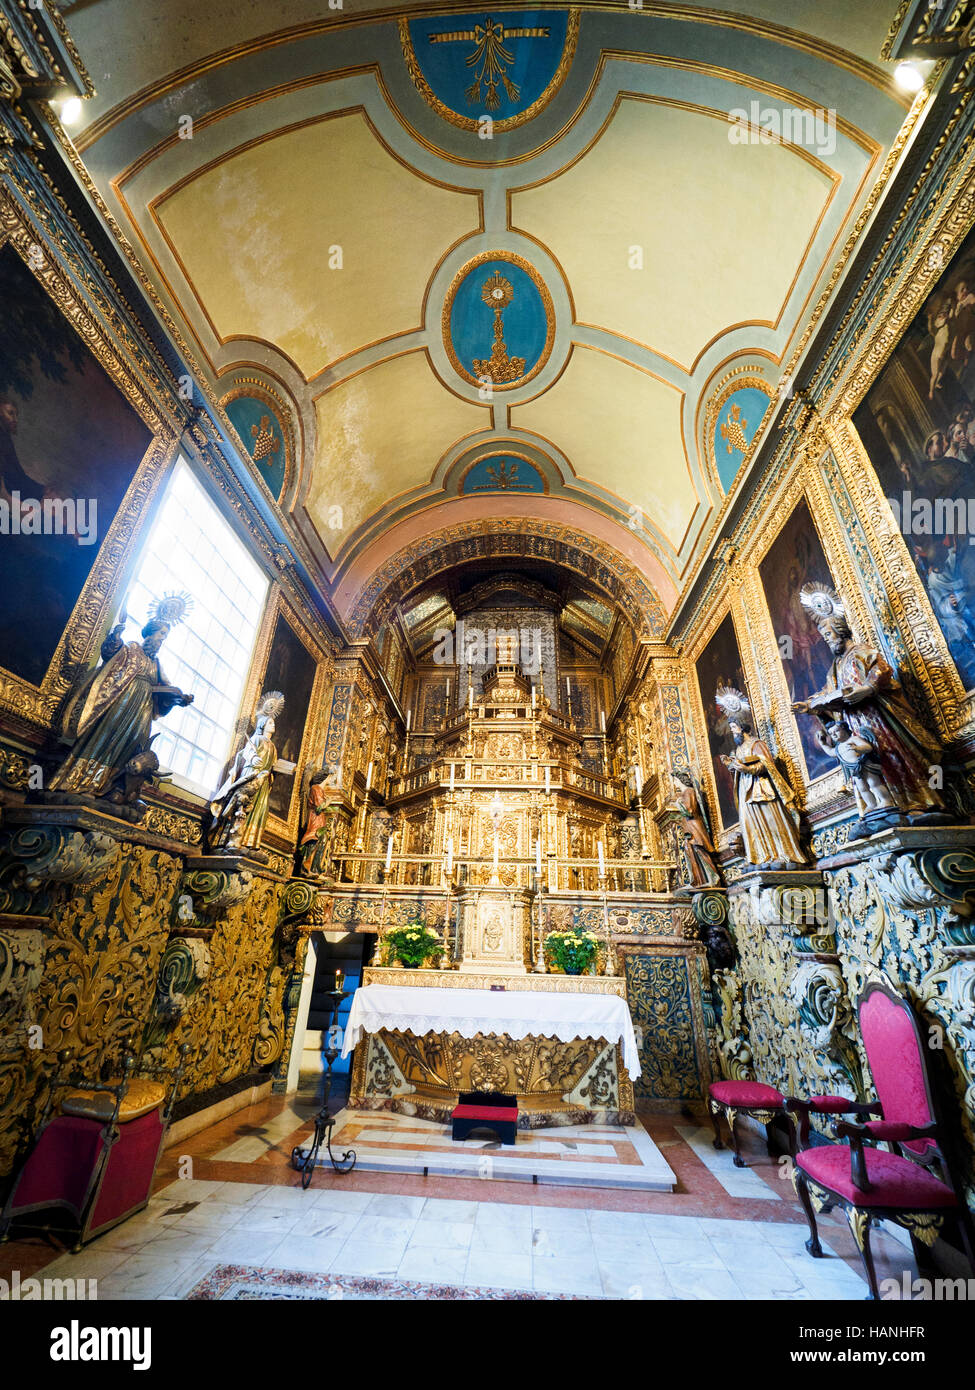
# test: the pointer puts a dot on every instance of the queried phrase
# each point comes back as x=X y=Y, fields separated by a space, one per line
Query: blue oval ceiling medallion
x=258 y=422
x=502 y=472
x=498 y=321
x=737 y=419
x=506 y=65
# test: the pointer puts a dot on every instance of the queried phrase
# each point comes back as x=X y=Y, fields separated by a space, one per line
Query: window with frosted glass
x=192 y=550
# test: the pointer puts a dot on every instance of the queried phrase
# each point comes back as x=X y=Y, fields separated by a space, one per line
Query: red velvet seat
x=894 y=1181
x=755 y=1098
x=742 y=1093
x=874 y=1184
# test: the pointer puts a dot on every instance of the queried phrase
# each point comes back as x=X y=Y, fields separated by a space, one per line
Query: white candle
x=450 y=856
x=368 y=776
x=389 y=854
x=470 y=697
x=602 y=861
x=639 y=781
x=451 y=776
x=448 y=690
x=538 y=855
x=548 y=778
x=533 y=697
x=602 y=720
x=568 y=692
x=409 y=719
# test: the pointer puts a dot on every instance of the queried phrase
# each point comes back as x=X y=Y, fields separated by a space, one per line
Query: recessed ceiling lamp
x=71 y=111
x=908 y=78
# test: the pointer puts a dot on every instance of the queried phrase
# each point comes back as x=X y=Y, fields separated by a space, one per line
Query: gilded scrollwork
x=104 y=944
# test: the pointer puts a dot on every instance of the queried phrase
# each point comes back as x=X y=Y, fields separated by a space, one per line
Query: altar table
x=484 y=1012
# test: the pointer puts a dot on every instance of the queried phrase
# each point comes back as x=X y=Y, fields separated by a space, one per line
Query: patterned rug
x=245 y=1283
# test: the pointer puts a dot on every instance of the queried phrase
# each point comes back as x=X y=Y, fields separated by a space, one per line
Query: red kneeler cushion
x=482 y=1112
x=745 y=1093
x=894 y=1181
x=130 y=1169
x=60 y=1169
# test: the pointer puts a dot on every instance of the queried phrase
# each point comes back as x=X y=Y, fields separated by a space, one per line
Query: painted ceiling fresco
x=546 y=264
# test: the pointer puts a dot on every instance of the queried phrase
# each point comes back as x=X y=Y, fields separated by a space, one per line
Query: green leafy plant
x=412 y=944
x=571 y=951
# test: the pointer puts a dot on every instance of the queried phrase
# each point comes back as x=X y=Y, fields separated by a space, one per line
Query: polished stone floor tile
x=368 y=1257
x=433 y=1264
x=447 y=1235
x=578 y=1276
x=675 y=1253
x=316 y=1255
x=493 y=1271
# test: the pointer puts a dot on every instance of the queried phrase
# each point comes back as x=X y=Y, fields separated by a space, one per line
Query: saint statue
x=315 y=845
x=766 y=803
x=110 y=715
x=238 y=808
x=862 y=692
x=698 y=838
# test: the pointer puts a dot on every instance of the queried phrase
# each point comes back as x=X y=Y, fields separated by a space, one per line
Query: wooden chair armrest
x=855 y=1134
x=802 y=1109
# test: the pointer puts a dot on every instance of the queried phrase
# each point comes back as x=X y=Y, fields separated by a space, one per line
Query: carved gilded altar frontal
x=576 y=1077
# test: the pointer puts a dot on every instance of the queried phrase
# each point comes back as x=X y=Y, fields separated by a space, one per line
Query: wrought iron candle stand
x=304 y=1160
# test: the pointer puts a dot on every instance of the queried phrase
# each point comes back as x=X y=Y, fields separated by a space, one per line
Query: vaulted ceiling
x=320 y=202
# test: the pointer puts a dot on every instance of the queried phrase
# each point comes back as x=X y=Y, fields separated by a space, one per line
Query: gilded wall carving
x=664 y=992
x=107 y=906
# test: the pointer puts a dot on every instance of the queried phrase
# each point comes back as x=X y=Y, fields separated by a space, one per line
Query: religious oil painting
x=720 y=664
x=70 y=445
x=917 y=424
x=291 y=669
x=796 y=558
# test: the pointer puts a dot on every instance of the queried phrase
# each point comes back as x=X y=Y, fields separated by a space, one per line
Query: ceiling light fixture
x=908 y=78
x=71 y=111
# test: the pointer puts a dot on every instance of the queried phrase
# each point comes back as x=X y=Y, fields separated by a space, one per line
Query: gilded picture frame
x=277 y=607
x=38 y=704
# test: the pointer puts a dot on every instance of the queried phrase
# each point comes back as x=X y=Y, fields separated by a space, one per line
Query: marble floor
x=573 y=1155
x=228 y=1198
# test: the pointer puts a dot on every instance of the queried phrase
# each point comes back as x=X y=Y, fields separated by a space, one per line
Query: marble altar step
x=573 y=1155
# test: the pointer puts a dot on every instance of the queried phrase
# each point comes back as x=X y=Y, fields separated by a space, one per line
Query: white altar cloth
x=469 y=1012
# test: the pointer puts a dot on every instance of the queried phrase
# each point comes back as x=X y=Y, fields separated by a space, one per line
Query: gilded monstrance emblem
x=497 y=293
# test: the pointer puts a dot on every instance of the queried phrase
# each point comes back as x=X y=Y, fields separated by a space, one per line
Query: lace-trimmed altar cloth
x=474 y=1012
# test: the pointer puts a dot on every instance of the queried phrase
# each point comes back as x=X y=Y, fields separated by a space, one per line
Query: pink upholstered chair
x=913 y=1182
x=92 y=1165
x=764 y=1103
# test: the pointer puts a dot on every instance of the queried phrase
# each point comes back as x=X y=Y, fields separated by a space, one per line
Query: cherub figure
x=863 y=771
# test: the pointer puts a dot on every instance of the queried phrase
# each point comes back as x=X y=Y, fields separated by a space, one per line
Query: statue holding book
x=110 y=715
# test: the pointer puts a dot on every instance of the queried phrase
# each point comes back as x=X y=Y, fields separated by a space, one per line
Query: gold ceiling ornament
x=503 y=371
x=733 y=431
x=489 y=60
x=497 y=293
x=266 y=441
